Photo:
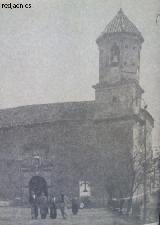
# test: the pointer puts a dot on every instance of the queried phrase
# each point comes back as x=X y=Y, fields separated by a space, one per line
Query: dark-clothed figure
x=34 y=205
x=43 y=204
x=75 y=206
x=62 y=205
x=158 y=206
x=53 y=207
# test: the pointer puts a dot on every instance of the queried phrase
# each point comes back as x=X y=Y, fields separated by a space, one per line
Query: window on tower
x=114 y=99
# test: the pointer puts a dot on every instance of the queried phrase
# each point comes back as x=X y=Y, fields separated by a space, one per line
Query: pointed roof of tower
x=121 y=24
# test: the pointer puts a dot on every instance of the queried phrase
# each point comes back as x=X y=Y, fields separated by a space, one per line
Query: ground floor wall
x=68 y=152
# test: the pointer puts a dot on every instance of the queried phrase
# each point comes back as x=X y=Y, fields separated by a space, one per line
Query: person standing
x=34 y=205
x=43 y=203
x=53 y=207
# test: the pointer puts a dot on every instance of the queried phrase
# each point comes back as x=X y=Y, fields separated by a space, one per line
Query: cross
x=85 y=186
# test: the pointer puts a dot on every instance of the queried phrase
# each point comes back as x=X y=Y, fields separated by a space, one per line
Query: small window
x=125 y=63
x=114 y=99
x=126 y=46
x=134 y=47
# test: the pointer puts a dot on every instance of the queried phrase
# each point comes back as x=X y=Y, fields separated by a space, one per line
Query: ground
x=152 y=224
x=21 y=216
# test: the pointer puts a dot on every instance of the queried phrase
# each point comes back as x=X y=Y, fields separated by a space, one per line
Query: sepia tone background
x=81 y=144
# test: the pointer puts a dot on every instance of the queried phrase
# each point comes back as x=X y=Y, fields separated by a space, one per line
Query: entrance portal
x=38 y=185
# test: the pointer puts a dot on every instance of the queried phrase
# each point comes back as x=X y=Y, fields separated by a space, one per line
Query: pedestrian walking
x=53 y=207
x=43 y=203
x=75 y=205
x=34 y=205
x=62 y=206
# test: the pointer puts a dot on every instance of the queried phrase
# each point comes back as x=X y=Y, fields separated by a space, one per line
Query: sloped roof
x=46 y=113
x=121 y=24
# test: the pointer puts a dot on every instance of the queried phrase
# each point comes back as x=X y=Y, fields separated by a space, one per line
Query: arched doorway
x=38 y=184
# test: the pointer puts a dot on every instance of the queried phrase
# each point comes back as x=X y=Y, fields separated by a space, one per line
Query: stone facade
x=66 y=143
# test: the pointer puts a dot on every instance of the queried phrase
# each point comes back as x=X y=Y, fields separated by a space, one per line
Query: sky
x=48 y=53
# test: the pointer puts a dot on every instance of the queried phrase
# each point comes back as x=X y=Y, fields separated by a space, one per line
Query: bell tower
x=118 y=90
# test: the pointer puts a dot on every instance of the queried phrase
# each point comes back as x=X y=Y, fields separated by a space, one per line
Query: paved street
x=12 y=216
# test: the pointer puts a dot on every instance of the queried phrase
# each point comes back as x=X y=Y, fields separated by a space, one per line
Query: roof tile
x=119 y=24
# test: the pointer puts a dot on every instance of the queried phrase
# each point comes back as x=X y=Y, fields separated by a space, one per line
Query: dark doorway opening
x=38 y=184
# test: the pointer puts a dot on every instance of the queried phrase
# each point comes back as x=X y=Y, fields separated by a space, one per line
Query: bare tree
x=123 y=174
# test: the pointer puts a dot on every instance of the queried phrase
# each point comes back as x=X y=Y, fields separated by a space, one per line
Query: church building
x=62 y=147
